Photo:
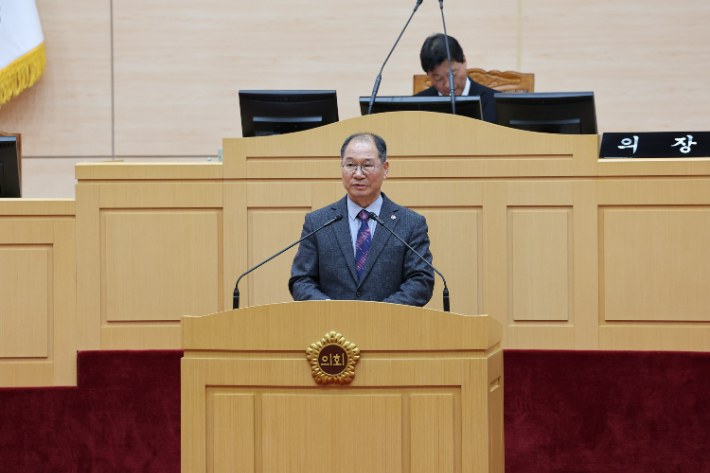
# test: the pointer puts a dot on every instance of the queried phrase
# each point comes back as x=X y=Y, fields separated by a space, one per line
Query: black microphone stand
x=235 y=297
x=448 y=55
x=379 y=76
x=374 y=216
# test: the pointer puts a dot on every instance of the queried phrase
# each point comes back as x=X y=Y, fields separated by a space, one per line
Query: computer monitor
x=9 y=168
x=275 y=112
x=466 y=105
x=569 y=113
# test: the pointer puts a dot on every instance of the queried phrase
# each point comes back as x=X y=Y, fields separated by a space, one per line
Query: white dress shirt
x=466 y=90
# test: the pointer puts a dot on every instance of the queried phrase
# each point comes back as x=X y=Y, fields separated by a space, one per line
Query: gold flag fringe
x=21 y=73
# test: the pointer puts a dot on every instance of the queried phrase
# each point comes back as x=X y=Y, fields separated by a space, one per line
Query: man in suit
x=353 y=259
x=436 y=65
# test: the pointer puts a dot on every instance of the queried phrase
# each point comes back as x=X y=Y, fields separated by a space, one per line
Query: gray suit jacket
x=324 y=267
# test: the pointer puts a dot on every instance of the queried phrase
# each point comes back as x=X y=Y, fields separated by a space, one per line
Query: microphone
x=379 y=76
x=374 y=216
x=448 y=56
x=235 y=300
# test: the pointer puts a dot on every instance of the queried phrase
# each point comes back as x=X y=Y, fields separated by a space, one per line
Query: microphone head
x=338 y=217
x=372 y=215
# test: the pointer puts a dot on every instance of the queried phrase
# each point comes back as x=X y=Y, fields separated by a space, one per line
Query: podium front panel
x=427 y=394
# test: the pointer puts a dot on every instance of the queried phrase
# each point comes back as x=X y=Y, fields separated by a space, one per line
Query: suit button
x=358 y=294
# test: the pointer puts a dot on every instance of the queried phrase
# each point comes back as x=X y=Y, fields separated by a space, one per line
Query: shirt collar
x=466 y=89
x=354 y=209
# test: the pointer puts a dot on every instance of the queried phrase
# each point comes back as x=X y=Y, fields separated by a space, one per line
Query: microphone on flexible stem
x=448 y=56
x=374 y=217
x=235 y=300
x=379 y=76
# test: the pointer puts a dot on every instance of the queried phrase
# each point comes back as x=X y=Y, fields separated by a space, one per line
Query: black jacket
x=486 y=93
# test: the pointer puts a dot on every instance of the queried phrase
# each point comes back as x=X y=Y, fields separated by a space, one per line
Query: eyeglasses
x=367 y=168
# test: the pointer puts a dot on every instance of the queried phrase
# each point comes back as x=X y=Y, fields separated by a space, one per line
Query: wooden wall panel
x=160 y=264
x=68 y=111
x=540 y=262
x=270 y=231
x=38 y=336
x=234 y=433
x=294 y=426
x=625 y=52
x=535 y=294
x=652 y=270
x=456 y=246
x=496 y=430
x=620 y=244
x=433 y=437
x=25 y=291
x=123 y=302
x=668 y=219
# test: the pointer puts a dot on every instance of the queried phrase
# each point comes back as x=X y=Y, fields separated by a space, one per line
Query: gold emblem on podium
x=333 y=359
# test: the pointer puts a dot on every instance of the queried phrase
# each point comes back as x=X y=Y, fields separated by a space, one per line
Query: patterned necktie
x=362 y=245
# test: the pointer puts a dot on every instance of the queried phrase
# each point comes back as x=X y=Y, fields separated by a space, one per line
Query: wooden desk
x=38 y=329
x=564 y=250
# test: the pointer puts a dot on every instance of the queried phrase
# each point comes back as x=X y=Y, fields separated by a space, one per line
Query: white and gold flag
x=22 y=56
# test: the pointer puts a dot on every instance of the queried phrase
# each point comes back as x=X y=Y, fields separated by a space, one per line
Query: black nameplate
x=668 y=144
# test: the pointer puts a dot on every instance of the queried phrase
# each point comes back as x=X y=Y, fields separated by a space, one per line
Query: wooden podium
x=427 y=394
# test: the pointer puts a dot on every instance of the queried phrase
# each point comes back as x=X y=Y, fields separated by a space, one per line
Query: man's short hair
x=434 y=51
x=372 y=138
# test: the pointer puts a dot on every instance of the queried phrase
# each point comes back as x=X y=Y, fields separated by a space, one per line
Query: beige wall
x=128 y=78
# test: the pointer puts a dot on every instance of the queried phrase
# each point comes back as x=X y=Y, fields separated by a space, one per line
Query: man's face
x=440 y=77
x=362 y=188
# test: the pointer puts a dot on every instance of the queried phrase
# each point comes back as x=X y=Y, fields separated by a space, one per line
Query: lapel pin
x=393 y=217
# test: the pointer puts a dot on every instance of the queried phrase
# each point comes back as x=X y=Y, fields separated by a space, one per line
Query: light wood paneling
x=625 y=52
x=38 y=336
x=540 y=272
x=437 y=330
x=298 y=435
x=269 y=232
x=160 y=265
x=68 y=111
x=433 y=437
x=455 y=242
x=496 y=431
x=145 y=336
x=152 y=249
x=585 y=289
x=473 y=149
x=420 y=394
x=537 y=277
x=652 y=270
x=165 y=171
x=234 y=433
x=667 y=204
x=496 y=200
x=25 y=287
x=663 y=337
x=541 y=336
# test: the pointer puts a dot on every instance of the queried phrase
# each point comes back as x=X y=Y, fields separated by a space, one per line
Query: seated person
x=436 y=66
x=354 y=259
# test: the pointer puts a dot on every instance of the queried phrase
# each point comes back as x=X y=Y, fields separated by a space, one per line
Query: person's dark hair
x=434 y=51
x=372 y=138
